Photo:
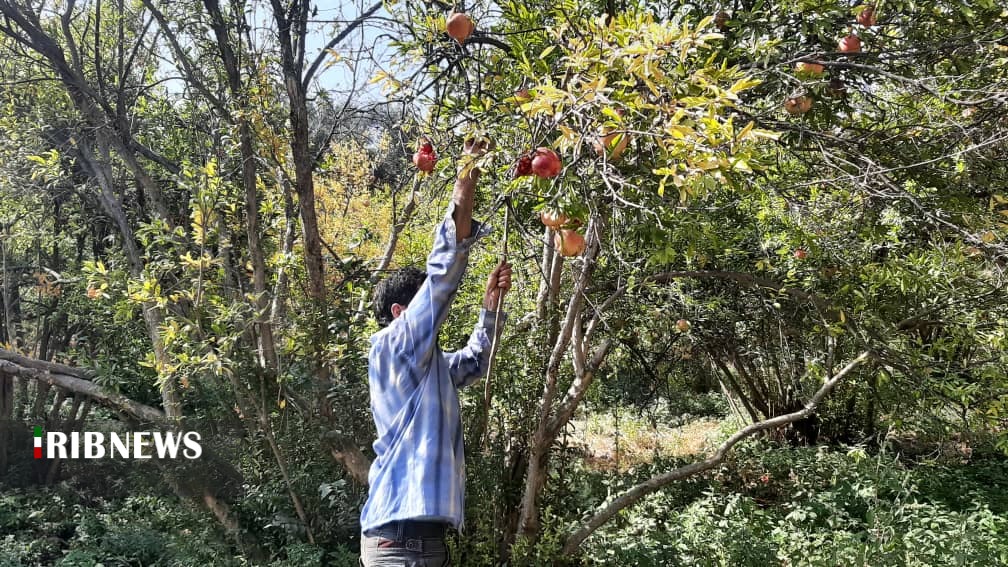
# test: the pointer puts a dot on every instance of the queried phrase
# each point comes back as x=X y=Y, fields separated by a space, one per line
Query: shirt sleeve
x=428 y=309
x=469 y=364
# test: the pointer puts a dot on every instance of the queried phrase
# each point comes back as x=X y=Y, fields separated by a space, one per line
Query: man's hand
x=477 y=146
x=498 y=284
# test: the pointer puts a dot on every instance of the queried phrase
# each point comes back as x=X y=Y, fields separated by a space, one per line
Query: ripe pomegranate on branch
x=798 y=105
x=425 y=159
x=459 y=26
x=569 y=242
x=546 y=163
x=524 y=166
x=850 y=44
x=553 y=219
x=811 y=69
x=866 y=17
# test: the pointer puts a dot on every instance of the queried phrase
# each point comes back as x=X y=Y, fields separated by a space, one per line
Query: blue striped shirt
x=419 y=467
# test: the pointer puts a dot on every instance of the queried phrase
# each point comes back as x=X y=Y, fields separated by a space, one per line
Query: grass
x=619 y=444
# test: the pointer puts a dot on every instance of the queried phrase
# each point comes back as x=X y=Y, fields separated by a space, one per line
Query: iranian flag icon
x=38 y=442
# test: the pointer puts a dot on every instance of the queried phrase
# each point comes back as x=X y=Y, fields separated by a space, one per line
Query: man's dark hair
x=400 y=287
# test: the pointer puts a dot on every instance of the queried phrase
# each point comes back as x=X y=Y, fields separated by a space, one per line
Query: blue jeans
x=385 y=548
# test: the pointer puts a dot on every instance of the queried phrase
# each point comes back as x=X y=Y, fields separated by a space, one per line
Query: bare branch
x=335 y=41
x=187 y=65
x=77 y=381
x=579 y=387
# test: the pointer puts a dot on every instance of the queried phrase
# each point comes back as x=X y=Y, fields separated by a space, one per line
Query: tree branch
x=335 y=41
x=740 y=277
x=481 y=38
x=579 y=387
x=187 y=65
x=75 y=380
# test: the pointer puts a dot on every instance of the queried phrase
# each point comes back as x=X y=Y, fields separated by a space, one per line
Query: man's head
x=394 y=293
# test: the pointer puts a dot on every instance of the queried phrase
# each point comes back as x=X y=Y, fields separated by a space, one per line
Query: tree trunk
x=267 y=348
x=7 y=291
x=542 y=439
x=152 y=314
x=292 y=62
x=6 y=411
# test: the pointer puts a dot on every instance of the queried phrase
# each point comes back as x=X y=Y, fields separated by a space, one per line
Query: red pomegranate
x=424 y=159
x=459 y=26
x=850 y=44
x=569 y=242
x=546 y=163
x=524 y=166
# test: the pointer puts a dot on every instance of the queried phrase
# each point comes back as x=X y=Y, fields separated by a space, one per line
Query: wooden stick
x=488 y=384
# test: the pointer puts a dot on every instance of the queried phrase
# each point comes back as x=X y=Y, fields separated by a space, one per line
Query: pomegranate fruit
x=866 y=17
x=850 y=44
x=424 y=159
x=797 y=105
x=459 y=26
x=523 y=167
x=546 y=163
x=569 y=242
x=553 y=219
x=813 y=69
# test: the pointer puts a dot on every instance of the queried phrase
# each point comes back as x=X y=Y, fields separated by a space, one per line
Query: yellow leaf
x=745 y=131
x=741 y=165
x=679 y=132
x=758 y=133
x=336 y=58
x=743 y=84
x=568 y=133
x=709 y=164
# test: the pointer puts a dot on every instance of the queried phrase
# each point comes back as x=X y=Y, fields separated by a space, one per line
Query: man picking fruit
x=417 y=481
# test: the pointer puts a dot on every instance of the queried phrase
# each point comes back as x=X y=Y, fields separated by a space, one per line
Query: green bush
x=62 y=525
x=817 y=507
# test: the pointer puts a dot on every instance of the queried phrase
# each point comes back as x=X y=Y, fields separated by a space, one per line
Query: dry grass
x=609 y=445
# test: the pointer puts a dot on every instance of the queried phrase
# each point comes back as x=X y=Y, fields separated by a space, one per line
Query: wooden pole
x=495 y=341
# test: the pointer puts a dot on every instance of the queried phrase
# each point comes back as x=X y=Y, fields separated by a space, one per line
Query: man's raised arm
x=446 y=263
x=464 y=194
